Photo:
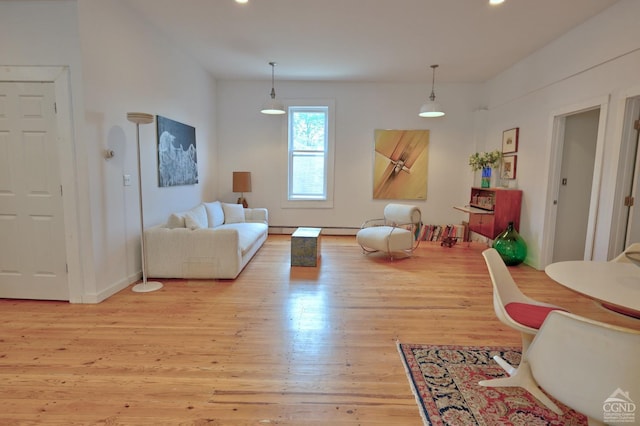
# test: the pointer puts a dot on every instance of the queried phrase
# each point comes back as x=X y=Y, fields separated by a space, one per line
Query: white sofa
x=212 y=240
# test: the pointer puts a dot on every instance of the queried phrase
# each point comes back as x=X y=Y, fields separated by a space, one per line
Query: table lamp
x=242 y=184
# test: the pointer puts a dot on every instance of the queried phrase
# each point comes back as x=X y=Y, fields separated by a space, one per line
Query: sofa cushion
x=248 y=234
x=196 y=218
x=176 y=220
x=215 y=214
x=233 y=213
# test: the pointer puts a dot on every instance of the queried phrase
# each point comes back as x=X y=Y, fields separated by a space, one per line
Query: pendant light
x=432 y=108
x=272 y=106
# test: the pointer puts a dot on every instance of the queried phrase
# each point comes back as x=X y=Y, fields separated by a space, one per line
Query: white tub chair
x=395 y=234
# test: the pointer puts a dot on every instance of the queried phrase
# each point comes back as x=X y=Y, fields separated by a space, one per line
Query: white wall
x=117 y=64
x=35 y=34
x=249 y=140
x=129 y=66
x=597 y=60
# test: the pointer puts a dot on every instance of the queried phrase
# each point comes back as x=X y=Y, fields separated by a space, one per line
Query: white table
x=613 y=283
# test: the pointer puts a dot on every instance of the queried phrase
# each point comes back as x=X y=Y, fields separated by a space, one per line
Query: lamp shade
x=431 y=109
x=241 y=181
x=273 y=107
x=140 y=117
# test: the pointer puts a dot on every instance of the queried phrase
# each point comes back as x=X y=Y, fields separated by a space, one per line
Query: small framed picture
x=510 y=141
x=509 y=166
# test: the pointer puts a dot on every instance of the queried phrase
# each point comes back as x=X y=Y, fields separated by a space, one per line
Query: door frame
x=625 y=168
x=60 y=77
x=554 y=155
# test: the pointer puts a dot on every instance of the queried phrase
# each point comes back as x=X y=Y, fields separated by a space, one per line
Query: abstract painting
x=400 y=164
x=177 y=159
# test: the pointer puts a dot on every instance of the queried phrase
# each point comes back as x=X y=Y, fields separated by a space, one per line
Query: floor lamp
x=146 y=286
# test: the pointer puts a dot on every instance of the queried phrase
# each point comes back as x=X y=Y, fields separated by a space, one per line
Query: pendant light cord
x=432 y=97
x=273 y=89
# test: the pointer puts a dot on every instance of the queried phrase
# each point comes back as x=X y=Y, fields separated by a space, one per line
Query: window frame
x=301 y=104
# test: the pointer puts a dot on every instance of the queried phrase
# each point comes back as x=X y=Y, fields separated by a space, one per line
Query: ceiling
x=364 y=40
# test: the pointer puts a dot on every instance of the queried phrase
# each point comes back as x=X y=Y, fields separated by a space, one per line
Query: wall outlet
x=126 y=180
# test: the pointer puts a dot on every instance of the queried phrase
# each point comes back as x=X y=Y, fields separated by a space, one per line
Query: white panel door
x=32 y=245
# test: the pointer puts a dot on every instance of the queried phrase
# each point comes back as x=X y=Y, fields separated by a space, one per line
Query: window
x=310 y=155
x=307 y=153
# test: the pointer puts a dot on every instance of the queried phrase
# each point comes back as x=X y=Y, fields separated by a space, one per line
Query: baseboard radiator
x=326 y=230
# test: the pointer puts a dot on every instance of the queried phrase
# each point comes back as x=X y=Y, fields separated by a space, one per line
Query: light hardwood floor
x=279 y=345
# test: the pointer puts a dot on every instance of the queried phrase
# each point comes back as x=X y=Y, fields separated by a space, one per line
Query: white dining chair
x=590 y=366
x=630 y=255
x=516 y=310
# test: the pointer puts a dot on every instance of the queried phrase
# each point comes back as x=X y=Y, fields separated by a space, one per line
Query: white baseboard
x=111 y=290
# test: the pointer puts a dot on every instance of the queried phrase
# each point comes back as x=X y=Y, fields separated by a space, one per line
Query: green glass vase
x=511 y=246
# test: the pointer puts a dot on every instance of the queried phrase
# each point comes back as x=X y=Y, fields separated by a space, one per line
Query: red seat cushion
x=530 y=315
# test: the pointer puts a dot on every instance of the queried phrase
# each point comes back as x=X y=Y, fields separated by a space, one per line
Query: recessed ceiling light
x=242 y=1
x=494 y=2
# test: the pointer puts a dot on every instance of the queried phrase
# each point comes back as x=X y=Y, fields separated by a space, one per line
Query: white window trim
x=306 y=204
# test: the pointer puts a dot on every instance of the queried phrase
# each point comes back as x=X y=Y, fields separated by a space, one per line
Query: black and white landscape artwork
x=177 y=159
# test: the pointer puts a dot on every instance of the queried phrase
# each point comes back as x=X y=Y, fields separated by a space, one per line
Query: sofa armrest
x=256 y=215
x=199 y=253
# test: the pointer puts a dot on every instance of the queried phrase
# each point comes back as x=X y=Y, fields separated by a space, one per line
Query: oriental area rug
x=445 y=379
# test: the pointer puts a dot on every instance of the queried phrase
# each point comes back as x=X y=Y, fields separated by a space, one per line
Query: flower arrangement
x=480 y=160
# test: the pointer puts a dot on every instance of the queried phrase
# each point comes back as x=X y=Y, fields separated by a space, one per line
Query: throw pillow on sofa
x=215 y=214
x=233 y=213
x=196 y=218
x=176 y=220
